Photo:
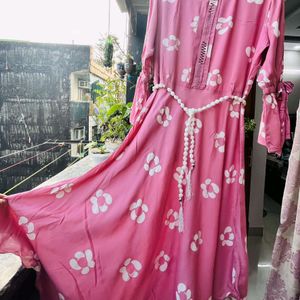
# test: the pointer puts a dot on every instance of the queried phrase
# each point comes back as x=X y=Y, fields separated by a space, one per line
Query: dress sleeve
x=275 y=123
x=142 y=91
x=13 y=238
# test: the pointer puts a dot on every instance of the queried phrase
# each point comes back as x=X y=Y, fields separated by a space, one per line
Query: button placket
x=208 y=33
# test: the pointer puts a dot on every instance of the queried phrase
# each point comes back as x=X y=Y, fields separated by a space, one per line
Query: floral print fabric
x=114 y=232
x=284 y=280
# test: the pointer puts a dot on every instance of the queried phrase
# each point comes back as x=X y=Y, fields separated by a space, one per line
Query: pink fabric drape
x=114 y=233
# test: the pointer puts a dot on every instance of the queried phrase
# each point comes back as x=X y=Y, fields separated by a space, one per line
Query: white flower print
x=256 y=1
x=130 y=269
x=227 y=237
x=61 y=296
x=214 y=78
x=248 y=87
x=138 y=211
x=242 y=177
x=164 y=117
x=220 y=141
x=28 y=227
x=262 y=78
x=197 y=241
x=172 y=219
x=209 y=50
x=233 y=276
x=194 y=24
x=224 y=24
x=61 y=190
x=171 y=43
x=270 y=99
x=141 y=114
x=86 y=261
x=151 y=157
x=250 y=82
x=235 y=109
x=162 y=261
x=183 y=292
x=230 y=175
x=139 y=103
x=262 y=130
x=209 y=189
x=275 y=26
x=177 y=174
x=185 y=76
x=250 y=52
x=106 y=202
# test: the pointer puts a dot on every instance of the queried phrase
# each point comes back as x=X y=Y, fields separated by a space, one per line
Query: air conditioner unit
x=84 y=84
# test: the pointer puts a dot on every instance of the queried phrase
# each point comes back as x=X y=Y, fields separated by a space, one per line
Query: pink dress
x=164 y=217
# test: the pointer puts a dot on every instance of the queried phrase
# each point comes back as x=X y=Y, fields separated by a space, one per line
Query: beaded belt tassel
x=191 y=127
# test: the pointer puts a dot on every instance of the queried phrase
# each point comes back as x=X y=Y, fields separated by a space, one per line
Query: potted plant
x=112 y=113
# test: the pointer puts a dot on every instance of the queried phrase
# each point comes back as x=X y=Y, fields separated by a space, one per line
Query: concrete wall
x=35 y=104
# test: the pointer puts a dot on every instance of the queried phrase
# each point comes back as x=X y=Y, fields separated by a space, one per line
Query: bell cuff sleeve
x=275 y=123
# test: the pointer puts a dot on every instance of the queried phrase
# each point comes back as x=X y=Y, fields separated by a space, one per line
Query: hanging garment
x=164 y=217
x=284 y=280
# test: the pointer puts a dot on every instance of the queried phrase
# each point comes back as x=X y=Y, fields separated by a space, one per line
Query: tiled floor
x=260 y=251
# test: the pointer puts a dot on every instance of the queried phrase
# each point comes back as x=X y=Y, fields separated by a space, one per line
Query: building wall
x=35 y=104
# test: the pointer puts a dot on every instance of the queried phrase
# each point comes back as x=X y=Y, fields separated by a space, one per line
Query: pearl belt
x=189 y=143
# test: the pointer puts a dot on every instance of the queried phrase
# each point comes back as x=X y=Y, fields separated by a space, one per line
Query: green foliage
x=112 y=112
x=249 y=125
x=97 y=147
x=108 y=52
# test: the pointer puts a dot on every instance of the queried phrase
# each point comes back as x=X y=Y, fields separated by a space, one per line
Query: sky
x=61 y=21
